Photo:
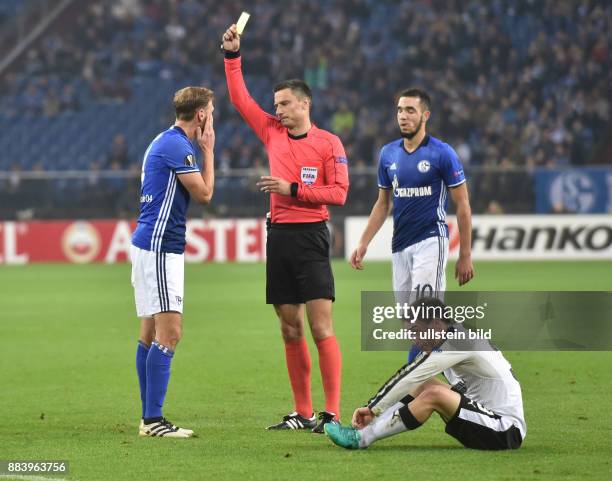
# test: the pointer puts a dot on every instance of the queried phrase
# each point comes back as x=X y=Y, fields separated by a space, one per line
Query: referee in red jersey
x=308 y=170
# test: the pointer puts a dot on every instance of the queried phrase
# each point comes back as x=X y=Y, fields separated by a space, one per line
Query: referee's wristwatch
x=294 y=189
x=230 y=53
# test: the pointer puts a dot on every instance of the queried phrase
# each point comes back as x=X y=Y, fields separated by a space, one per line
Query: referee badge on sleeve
x=189 y=160
x=309 y=175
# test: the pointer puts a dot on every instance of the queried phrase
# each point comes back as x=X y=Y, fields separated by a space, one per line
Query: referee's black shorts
x=298 y=267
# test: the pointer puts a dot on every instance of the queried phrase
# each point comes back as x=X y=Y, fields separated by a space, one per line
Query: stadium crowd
x=514 y=83
x=521 y=82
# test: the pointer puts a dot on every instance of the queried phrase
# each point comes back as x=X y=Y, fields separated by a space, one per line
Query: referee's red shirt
x=316 y=160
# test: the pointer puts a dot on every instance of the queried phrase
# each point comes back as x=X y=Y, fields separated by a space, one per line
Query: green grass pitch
x=69 y=387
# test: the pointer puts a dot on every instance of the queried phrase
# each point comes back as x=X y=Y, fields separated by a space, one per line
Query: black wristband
x=294 y=189
x=230 y=54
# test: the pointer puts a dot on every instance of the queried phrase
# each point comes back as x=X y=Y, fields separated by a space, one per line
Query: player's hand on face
x=357 y=257
x=231 y=39
x=464 y=270
x=362 y=417
x=274 y=184
x=206 y=136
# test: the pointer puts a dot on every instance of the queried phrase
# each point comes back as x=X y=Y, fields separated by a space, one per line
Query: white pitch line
x=30 y=478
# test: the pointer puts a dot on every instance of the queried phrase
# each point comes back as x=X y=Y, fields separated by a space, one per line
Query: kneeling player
x=483 y=410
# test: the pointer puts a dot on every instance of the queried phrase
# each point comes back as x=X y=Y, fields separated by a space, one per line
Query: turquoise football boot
x=344 y=436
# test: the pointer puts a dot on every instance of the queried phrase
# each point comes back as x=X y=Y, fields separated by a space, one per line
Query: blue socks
x=141 y=368
x=158 y=375
x=413 y=353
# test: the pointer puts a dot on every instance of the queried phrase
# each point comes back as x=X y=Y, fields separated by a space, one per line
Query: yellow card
x=242 y=21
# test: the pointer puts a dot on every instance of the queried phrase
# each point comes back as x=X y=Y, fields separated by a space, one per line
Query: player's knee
x=433 y=395
x=291 y=332
x=320 y=332
x=292 y=327
x=419 y=390
x=321 y=325
x=170 y=336
x=147 y=330
x=147 y=337
x=177 y=334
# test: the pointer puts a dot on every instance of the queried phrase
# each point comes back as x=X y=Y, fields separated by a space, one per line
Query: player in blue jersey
x=415 y=175
x=170 y=176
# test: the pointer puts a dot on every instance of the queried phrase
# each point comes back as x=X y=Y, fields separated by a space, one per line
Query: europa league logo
x=81 y=242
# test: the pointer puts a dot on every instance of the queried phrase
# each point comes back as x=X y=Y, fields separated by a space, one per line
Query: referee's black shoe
x=295 y=421
x=324 y=418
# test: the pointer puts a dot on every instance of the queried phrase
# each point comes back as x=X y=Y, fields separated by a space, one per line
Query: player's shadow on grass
x=416 y=447
x=436 y=448
x=396 y=447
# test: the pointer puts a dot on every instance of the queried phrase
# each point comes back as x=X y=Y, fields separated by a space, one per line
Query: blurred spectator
x=343 y=120
x=497 y=71
x=118 y=157
x=518 y=83
x=51 y=104
x=494 y=208
x=68 y=99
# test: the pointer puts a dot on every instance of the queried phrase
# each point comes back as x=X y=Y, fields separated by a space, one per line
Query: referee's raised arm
x=248 y=108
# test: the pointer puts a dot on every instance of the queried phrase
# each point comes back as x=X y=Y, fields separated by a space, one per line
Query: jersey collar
x=179 y=130
x=423 y=143
x=297 y=137
x=302 y=136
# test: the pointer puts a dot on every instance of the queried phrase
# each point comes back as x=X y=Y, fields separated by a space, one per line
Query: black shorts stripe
x=159 y=281
x=165 y=284
x=439 y=268
x=162 y=282
x=397 y=377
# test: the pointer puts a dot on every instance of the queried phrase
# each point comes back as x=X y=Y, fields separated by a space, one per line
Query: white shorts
x=420 y=269
x=158 y=280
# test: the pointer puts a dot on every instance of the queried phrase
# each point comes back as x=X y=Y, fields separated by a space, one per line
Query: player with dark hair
x=415 y=175
x=170 y=175
x=482 y=406
x=308 y=168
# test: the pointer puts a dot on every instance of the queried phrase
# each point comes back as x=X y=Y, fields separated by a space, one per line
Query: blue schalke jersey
x=163 y=199
x=420 y=182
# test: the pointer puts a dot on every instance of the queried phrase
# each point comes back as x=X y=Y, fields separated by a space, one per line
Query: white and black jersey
x=486 y=375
